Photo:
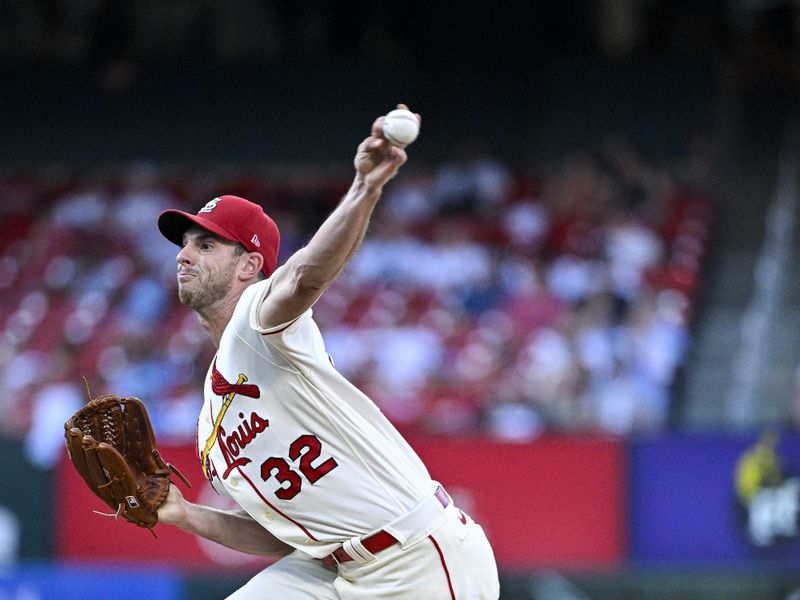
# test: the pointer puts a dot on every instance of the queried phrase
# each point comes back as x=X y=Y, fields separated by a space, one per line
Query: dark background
x=291 y=81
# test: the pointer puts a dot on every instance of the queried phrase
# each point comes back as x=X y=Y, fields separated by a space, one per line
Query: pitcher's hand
x=377 y=161
x=173 y=511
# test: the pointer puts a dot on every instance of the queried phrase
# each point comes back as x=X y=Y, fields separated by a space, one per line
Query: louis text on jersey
x=231 y=444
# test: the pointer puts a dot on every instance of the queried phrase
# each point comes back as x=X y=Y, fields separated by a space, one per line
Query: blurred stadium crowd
x=485 y=299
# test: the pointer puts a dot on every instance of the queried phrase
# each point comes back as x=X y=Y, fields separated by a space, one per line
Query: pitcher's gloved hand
x=112 y=445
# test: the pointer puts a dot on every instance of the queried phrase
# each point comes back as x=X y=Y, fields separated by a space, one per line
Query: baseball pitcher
x=321 y=477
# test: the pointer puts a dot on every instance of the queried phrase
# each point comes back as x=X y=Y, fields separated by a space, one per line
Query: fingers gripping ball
x=112 y=446
x=400 y=127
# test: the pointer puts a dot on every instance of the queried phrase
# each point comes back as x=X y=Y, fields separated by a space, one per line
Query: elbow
x=310 y=272
x=309 y=279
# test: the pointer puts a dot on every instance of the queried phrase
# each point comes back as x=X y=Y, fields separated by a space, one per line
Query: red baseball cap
x=232 y=218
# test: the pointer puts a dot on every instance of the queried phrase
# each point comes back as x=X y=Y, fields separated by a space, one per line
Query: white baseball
x=400 y=127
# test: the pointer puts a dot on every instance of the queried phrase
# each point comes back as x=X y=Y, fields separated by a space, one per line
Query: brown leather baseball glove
x=111 y=443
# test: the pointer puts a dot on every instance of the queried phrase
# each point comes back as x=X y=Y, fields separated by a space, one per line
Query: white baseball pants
x=455 y=562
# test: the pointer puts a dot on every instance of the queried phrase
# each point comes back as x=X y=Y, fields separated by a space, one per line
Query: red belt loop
x=378 y=541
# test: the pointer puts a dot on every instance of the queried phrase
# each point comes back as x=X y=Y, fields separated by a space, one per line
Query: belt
x=377 y=541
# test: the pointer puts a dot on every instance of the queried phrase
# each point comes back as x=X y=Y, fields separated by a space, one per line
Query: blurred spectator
x=10 y=533
x=53 y=404
x=473 y=181
x=631 y=249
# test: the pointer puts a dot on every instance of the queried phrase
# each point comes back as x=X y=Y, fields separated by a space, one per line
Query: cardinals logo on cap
x=210 y=205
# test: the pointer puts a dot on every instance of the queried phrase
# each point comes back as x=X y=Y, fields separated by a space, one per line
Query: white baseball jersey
x=300 y=448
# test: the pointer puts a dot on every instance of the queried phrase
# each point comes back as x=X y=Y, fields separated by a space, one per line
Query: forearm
x=232 y=529
x=338 y=238
x=297 y=285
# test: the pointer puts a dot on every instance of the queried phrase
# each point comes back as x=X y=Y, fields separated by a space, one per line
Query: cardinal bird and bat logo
x=231 y=444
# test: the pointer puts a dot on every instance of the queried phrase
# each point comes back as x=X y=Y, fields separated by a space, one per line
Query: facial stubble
x=211 y=289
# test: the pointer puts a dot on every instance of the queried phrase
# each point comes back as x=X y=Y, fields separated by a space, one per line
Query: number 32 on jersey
x=308 y=449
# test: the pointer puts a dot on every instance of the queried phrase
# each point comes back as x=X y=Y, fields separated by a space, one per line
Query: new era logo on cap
x=232 y=218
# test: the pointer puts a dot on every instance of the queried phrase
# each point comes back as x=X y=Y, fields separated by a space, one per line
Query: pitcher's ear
x=251 y=264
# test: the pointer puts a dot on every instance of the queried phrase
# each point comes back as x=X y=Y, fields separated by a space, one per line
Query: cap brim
x=174 y=223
